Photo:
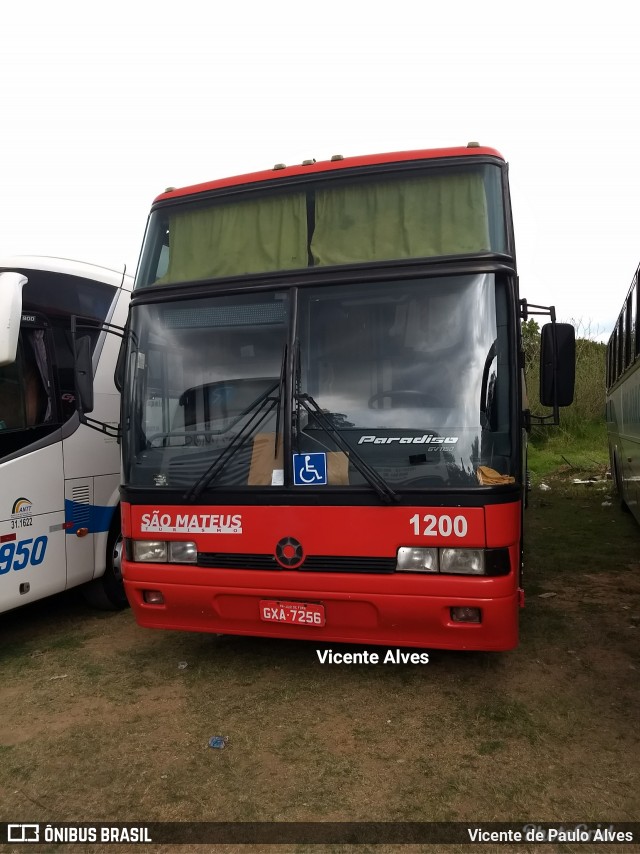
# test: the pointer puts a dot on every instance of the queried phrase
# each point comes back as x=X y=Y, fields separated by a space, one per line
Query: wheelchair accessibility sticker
x=309 y=469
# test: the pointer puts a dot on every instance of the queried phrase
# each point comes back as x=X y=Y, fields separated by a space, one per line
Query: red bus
x=322 y=424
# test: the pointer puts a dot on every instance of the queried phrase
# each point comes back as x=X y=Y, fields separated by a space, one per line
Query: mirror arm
x=108 y=429
x=528 y=308
x=113 y=431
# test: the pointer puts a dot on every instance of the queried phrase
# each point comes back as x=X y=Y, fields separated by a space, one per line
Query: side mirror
x=83 y=371
x=83 y=374
x=557 y=364
x=11 y=285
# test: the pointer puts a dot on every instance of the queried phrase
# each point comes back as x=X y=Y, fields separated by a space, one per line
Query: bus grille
x=81 y=504
x=313 y=563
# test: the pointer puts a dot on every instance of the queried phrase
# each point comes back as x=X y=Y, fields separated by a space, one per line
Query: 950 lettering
x=443 y=526
x=18 y=555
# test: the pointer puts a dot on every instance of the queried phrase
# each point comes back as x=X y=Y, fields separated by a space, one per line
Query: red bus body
x=359 y=608
x=322 y=563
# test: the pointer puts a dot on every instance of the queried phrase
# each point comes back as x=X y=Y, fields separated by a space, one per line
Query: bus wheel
x=107 y=593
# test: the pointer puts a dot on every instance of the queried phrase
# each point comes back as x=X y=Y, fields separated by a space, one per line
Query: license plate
x=299 y=613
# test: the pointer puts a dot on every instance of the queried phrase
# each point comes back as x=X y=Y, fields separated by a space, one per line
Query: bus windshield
x=410 y=380
x=433 y=211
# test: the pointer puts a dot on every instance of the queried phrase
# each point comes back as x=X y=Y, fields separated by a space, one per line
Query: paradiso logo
x=21 y=506
x=408 y=440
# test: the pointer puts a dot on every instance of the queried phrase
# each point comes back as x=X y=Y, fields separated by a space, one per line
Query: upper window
x=37 y=391
x=26 y=385
x=623 y=346
x=437 y=211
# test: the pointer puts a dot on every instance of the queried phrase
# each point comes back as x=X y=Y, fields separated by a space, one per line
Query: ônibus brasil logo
x=21 y=506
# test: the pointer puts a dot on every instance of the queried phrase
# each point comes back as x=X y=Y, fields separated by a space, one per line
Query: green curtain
x=408 y=218
x=382 y=220
x=238 y=238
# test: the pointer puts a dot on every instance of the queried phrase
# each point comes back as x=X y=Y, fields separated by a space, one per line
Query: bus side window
x=24 y=385
x=11 y=399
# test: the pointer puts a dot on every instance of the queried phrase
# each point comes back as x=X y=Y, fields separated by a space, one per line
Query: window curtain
x=238 y=238
x=40 y=354
x=408 y=218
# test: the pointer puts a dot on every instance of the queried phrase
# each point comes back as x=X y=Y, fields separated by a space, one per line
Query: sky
x=103 y=107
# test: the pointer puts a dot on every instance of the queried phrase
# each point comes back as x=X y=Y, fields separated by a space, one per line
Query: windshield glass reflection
x=406 y=385
x=415 y=375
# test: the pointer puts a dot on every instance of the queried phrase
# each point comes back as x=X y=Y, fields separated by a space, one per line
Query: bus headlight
x=183 y=552
x=149 y=551
x=462 y=561
x=417 y=560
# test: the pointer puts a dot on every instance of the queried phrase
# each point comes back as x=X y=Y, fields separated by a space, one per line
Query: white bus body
x=59 y=479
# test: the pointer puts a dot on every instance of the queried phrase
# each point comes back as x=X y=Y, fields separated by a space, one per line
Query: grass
x=583 y=451
x=540 y=734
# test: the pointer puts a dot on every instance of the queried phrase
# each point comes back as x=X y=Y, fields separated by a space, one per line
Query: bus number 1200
x=443 y=526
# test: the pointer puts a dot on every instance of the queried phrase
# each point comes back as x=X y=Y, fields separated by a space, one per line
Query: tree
x=530 y=344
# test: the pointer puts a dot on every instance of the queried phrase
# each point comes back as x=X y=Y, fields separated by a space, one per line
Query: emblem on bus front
x=289 y=553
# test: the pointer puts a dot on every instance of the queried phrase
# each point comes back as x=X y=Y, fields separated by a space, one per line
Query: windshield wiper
x=375 y=480
x=261 y=408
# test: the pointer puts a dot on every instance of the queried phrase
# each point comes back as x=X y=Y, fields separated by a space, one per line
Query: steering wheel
x=408 y=397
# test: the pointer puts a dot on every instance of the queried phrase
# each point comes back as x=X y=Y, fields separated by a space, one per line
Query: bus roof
x=335 y=164
x=118 y=278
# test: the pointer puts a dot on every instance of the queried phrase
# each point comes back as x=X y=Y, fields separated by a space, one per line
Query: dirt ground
x=101 y=720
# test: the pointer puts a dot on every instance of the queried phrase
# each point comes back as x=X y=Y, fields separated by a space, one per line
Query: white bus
x=623 y=401
x=59 y=479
